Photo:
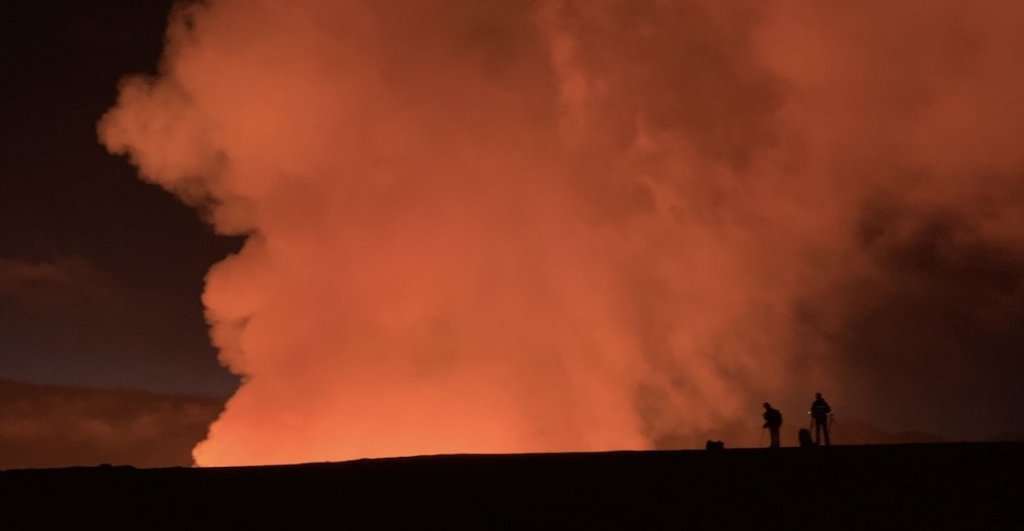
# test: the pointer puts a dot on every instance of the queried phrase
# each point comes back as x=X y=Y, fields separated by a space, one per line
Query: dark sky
x=100 y=273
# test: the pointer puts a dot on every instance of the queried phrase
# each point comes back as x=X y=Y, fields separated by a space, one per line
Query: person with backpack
x=820 y=412
x=772 y=421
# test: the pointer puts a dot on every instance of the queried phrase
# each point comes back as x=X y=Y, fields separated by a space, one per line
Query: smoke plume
x=582 y=225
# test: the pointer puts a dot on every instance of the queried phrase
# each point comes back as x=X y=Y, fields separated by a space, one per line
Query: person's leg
x=817 y=432
x=824 y=426
x=775 y=437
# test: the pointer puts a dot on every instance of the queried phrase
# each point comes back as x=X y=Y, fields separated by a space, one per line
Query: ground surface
x=951 y=486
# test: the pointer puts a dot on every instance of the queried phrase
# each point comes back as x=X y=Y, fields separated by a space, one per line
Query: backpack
x=804 y=436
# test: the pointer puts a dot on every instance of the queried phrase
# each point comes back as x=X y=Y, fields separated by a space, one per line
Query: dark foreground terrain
x=933 y=486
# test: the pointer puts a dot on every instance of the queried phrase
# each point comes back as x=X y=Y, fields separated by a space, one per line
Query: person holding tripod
x=772 y=421
x=820 y=415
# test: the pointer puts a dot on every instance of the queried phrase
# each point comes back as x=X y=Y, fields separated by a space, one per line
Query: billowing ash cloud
x=518 y=226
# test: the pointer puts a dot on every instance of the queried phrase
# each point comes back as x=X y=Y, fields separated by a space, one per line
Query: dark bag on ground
x=804 y=436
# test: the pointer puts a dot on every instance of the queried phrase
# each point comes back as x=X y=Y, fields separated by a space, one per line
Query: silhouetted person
x=819 y=417
x=772 y=421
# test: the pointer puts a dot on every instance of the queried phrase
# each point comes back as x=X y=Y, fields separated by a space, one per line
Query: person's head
x=767 y=405
x=817 y=395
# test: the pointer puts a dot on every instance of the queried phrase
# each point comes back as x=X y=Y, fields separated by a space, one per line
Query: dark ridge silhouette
x=920 y=486
x=58 y=426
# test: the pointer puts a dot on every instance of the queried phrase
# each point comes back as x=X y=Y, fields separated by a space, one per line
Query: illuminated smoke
x=512 y=226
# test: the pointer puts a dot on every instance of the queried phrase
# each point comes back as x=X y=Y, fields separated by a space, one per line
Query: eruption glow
x=534 y=226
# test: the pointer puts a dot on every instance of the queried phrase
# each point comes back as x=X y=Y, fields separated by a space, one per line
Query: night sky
x=100 y=273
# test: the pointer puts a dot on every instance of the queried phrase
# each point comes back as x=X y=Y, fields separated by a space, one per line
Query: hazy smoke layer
x=517 y=226
x=45 y=426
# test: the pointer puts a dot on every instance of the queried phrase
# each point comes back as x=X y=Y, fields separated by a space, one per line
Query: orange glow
x=504 y=227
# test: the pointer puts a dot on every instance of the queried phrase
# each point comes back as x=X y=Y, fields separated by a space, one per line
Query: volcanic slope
x=912 y=486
